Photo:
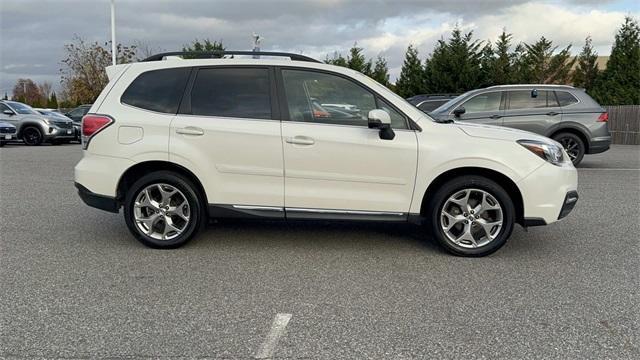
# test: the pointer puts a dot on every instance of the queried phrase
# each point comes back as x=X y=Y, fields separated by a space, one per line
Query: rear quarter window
x=565 y=98
x=157 y=90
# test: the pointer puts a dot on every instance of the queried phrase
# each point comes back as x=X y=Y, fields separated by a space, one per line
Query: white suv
x=176 y=141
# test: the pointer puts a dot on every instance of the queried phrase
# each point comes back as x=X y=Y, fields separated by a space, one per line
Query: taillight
x=93 y=124
x=604 y=117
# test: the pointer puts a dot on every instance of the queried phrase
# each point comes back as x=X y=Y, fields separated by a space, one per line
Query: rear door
x=485 y=108
x=228 y=129
x=335 y=166
x=532 y=110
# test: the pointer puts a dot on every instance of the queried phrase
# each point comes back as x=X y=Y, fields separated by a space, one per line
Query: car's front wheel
x=164 y=210
x=32 y=136
x=471 y=216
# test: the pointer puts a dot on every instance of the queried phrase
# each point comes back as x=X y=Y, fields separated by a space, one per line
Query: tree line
x=456 y=64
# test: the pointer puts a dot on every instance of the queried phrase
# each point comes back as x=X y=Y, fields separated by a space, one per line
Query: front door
x=335 y=166
x=485 y=108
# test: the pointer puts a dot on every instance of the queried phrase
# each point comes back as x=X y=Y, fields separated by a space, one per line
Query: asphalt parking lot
x=75 y=284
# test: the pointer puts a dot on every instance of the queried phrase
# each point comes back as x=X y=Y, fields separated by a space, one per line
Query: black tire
x=197 y=219
x=573 y=145
x=1 y=143
x=439 y=199
x=32 y=136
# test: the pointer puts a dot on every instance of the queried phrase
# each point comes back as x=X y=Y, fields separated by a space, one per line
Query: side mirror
x=8 y=112
x=380 y=119
x=459 y=111
x=534 y=93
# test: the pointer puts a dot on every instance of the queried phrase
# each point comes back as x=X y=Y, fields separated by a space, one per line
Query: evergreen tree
x=52 y=103
x=586 y=72
x=620 y=81
x=540 y=65
x=337 y=60
x=381 y=71
x=454 y=66
x=410 y=81
x=204 y=46
x=357 y=61
x=487 y=58
x=502 y=65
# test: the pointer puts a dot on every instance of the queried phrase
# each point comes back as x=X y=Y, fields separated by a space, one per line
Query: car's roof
x=527 y=86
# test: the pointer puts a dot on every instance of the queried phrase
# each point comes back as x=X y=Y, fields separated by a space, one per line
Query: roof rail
x=531 y=85
x=220 y=54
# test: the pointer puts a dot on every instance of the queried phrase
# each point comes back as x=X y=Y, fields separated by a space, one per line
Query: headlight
x=549 y=151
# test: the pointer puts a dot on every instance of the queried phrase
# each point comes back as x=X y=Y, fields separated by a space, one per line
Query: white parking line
x=609 y=169
x=277 y=328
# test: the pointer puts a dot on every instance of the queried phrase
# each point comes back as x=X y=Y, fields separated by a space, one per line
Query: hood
x=497 y=132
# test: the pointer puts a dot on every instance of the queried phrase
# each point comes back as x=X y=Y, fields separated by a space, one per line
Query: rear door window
x=232 y=92
x=528 y=99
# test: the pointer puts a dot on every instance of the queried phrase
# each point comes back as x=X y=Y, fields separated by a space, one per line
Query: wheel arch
x=572 y=130
x=138 y=170
x=27 y=124
x=509 y=186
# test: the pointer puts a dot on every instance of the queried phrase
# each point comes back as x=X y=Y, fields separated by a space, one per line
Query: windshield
x=53 y=114
x=21 y=108
x=448 y=104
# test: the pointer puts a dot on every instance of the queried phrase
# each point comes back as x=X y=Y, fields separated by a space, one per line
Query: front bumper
x=545 y=192
x=54 y=132
x=8 y=137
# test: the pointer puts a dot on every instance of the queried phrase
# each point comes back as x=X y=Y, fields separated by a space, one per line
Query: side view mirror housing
x=380 y=119
x=8 y=112
x=459 y=111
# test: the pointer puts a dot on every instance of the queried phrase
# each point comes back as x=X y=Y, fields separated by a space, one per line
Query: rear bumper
x=97 y=201
x=599 y=144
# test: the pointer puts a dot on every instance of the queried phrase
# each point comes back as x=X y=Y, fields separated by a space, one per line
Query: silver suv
x=563 y=113
x=33 y=127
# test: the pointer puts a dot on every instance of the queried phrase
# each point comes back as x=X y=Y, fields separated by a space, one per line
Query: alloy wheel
x=32 y=136
x=571 y=147
x=471 y=218
x=161 y=211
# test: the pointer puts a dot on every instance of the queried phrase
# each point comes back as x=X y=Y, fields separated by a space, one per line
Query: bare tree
x=45 y=91
x=26 y=91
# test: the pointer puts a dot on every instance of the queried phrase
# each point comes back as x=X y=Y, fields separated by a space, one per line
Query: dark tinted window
x=325 y=98
x=524 y=99
x=483 y=102
x=3 y=107
x=232 y=92
x=157 y=90
x=565 y=98
x=428 y=106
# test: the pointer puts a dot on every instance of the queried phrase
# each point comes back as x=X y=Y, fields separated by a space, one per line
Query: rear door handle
x=300 y=140
x=552 y=113
x=190 y=130
x=495 y=116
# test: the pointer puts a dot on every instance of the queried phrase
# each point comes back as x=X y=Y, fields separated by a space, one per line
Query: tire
x=158 y=235
x=32 y=136
x=573 y=145
x=478 y=188
x=1 y=143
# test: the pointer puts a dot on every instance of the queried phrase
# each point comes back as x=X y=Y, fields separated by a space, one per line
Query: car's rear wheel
x=471 y=216
x=573 y=145
x=32 y=136
x=164 y=210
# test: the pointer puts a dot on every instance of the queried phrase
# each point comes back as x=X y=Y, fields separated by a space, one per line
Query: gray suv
x=563 y=113
x=33 y=127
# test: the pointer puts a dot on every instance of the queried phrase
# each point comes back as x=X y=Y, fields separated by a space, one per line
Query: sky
x=33 y=33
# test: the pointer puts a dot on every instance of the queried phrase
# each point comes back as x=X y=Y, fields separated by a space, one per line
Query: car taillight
x=93 y=124
x=604 y=117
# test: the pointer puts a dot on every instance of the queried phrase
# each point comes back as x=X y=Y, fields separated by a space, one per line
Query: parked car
x=58 y=116
x=8 y=132
x=175 y=142
x=430 y=102
x=563 y=113
x=77 y=113
x=33 y=127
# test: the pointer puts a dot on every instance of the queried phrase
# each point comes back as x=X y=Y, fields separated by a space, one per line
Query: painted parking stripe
x=277 y=329
x=609 y=169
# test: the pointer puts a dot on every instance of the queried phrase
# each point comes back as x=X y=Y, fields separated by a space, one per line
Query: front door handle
x=300 y=140
x=495 y=116
x=190 y=130
x=552 y=113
